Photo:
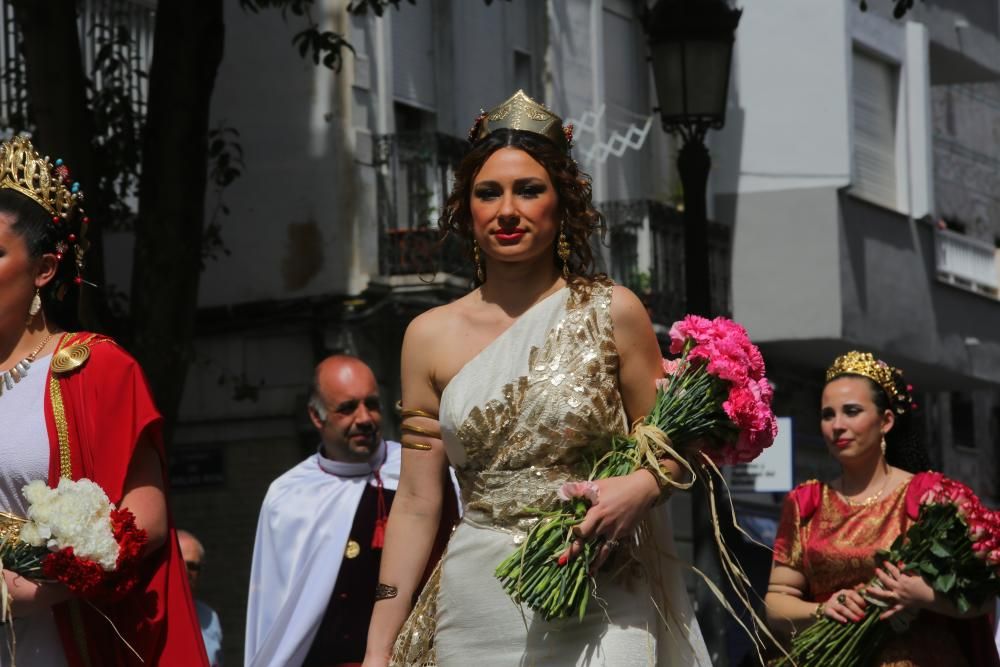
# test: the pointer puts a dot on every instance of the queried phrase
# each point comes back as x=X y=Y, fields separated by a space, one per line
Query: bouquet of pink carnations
x=73 y=534
x=714 y=394
x=954 y=545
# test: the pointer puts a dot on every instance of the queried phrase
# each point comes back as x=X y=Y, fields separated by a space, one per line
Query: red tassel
x=381 y=516
x=378 y=537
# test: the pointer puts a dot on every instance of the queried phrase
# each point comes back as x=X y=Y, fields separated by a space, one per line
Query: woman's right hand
x=845 y=606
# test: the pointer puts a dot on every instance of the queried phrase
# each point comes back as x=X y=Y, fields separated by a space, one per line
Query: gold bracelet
x=662 y=482
x=818 y=614
x=385 y=592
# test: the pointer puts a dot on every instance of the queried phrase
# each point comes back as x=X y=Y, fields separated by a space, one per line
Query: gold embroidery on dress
x=870 y=528
x=522 y=446
x=414 y=646
x=545 y=426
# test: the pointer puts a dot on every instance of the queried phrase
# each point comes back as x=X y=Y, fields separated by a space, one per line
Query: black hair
x=573 y=187
x=904 y=443
x=34 y=224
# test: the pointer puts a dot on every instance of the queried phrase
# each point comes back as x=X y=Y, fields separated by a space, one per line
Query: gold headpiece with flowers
x=49 y=185
x=24 y=170
x=520 y=112
x=885 y=376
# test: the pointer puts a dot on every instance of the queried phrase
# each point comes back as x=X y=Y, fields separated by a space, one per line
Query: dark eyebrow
x=521 y=182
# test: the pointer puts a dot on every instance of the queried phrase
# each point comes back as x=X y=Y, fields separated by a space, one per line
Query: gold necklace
x=870 y=499
x=17 y=372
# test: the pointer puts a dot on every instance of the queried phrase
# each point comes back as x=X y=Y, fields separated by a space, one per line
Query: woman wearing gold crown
x=824 y=553
x=512 y=384
x=75 y=405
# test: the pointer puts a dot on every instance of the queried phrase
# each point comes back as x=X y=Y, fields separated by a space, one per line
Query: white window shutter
x=874 y=129
x=413 y=55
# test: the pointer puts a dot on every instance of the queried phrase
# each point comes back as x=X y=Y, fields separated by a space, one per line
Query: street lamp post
x=691 y=46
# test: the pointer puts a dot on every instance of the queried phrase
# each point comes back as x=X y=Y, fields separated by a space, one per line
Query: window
x=522 y=72
x=874 y=154
x=963 y=425
x=413 y=55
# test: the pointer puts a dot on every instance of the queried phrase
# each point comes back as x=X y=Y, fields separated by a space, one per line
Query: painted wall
x=786 y=271
x=789 y=120
x=293 y=226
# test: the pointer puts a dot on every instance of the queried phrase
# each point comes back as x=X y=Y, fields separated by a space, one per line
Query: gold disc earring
x=480 y=274
x=563 y=249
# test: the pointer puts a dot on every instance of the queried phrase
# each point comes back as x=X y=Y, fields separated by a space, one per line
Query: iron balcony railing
x=646 y=251
x=415 y=174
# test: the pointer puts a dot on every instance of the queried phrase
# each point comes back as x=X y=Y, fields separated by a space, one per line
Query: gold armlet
x=412 y=412
x=385 y=592
x=419 y=446
x=419 y=430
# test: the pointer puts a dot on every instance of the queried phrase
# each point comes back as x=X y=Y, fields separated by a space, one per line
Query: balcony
x=415 y=172
x=646 y=254
x=966 y=262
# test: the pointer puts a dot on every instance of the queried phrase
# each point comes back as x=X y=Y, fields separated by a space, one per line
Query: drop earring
x=35 y=307
x=478 y=260
x=882 y=444
x=563 y=249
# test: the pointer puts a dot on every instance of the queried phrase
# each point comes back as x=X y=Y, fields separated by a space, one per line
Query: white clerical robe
x=302 y=532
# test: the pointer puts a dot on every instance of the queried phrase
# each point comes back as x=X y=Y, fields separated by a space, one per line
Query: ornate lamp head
x=885 y=376
x=520 y=112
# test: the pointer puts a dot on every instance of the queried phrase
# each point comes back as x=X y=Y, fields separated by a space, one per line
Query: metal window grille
x=137 y=17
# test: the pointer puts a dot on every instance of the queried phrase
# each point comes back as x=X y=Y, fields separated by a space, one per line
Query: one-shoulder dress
x=517 y=421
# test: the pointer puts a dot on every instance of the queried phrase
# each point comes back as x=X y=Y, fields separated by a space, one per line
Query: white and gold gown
x=517 y=421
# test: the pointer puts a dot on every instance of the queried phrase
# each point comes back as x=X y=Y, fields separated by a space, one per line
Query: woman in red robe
x=90 y=416
x=824 y=552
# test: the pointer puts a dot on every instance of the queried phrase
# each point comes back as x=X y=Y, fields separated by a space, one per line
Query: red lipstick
x=509 y=235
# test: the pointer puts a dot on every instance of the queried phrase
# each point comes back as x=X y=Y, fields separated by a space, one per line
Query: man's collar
x=352 y=469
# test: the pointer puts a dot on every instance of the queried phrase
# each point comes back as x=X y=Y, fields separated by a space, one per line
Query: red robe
x=97 y=414
x=833 y=545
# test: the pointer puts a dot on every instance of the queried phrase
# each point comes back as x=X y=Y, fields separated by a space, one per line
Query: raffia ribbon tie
x=652 y=445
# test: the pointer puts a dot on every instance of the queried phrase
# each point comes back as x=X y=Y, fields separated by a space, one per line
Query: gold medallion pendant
x=353 y=549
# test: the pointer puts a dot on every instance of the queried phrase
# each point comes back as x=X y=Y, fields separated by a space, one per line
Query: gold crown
x=24 y=170
x=520 y=112
x=866 y=365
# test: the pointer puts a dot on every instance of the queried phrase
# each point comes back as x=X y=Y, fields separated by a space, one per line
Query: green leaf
x=945 y=582
x=940 y=550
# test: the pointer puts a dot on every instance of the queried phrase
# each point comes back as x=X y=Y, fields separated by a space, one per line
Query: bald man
x=319 y=537
x=193 y=554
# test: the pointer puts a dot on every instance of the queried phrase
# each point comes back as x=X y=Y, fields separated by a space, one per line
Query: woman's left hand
x=901 y=591
x=621 y=504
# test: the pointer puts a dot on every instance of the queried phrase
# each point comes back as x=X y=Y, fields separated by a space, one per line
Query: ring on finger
x=612 y=544
x=842 y=598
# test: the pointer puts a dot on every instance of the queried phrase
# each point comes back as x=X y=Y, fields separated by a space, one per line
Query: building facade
x=859 y=176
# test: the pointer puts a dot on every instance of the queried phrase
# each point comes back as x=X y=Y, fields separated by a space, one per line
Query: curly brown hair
x=576 y=207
